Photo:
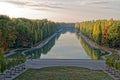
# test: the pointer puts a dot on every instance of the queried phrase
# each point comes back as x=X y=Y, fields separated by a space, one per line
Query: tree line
x=22 y=32
x=103 y=32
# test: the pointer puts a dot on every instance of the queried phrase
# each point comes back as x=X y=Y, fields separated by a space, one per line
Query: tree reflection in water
x=94 y=53
x=35 y=54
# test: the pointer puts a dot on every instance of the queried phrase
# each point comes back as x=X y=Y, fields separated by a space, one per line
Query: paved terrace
x=91 y=64
x=41 y=63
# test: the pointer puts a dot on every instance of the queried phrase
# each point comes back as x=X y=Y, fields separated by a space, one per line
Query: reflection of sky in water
x=62 y=10
x=66 y=47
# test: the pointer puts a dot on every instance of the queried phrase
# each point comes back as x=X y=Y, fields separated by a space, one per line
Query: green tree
x=114 y=35
x=2 y=60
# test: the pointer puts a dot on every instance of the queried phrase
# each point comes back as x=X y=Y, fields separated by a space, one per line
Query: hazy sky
x=62 y=10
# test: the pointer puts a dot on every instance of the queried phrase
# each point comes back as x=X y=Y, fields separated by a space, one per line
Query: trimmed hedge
x=9 y=63
x=113 y=61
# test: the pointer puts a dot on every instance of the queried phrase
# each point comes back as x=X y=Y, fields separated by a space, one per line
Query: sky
x=61 y=10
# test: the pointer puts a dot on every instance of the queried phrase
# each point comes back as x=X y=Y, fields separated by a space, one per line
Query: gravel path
x=11 y=52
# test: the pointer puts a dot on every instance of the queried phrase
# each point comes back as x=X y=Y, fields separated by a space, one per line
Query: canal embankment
x=97 y=46
x=44 y=42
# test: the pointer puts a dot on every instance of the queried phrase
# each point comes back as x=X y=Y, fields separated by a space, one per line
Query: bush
x=113 y=61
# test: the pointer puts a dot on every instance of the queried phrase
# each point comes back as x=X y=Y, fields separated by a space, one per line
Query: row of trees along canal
x=102 y=32
x=21 y=32
x=107 y=33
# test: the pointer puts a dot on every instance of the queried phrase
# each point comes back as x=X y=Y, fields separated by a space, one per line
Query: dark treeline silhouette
x=67 y=27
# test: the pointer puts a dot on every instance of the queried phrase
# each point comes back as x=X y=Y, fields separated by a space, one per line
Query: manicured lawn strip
x=63 y=73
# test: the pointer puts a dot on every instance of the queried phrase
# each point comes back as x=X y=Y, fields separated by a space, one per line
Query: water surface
x=66 y=47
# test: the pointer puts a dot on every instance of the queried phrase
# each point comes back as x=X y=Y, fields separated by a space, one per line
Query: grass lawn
x=63 y=73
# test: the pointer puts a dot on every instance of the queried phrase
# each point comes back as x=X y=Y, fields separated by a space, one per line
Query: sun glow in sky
x=62 y=10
